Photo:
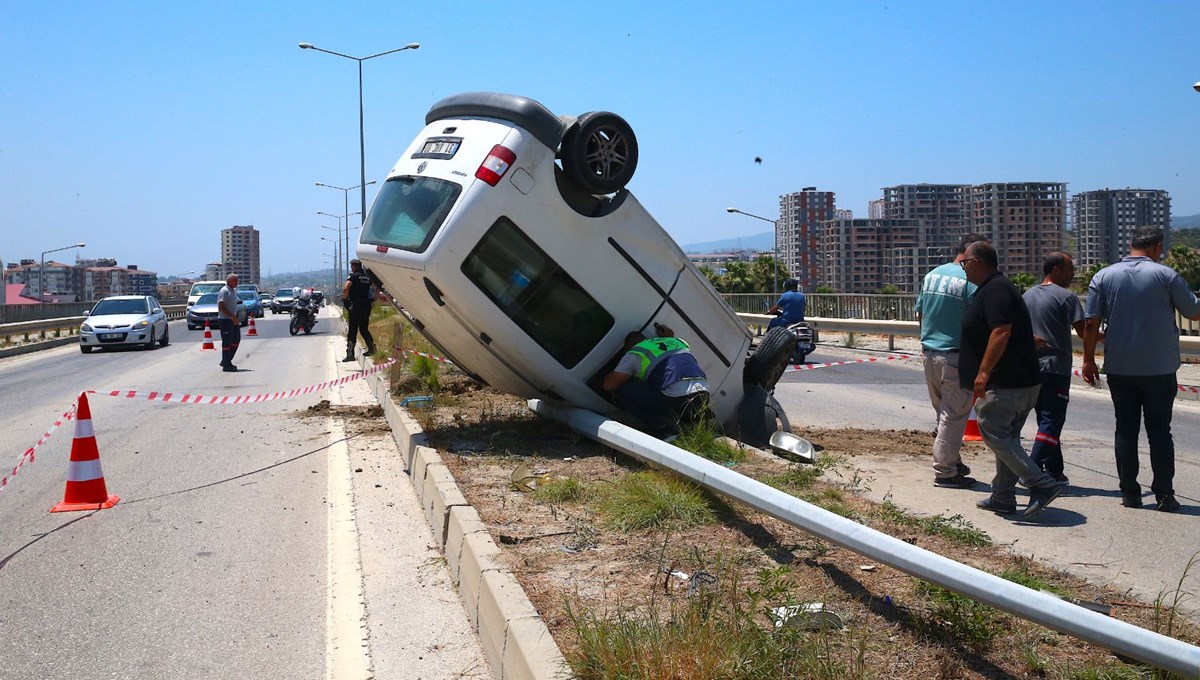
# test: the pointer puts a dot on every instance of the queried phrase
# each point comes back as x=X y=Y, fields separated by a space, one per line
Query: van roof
x=523 y=111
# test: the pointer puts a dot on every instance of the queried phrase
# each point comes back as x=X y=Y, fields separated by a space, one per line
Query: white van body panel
x=624 y=260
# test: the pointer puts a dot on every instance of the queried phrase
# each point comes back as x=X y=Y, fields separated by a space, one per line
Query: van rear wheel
x=599 y=153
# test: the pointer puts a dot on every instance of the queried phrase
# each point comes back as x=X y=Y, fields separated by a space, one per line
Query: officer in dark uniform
x=356 y=294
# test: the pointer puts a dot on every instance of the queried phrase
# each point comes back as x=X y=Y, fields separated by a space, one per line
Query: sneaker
x=998 y=508
x=1167 y=504
x=1061 y=479
x=958 y=481
x=229 y=369
x=1131 y=501
x=349 y=358
x=1040 y=497
x=963 y=469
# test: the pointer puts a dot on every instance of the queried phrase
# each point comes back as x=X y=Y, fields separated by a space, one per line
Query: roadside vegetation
x=641 y=575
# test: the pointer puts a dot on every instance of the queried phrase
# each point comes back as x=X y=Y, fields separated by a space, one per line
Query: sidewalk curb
x=515 y=640
x=29 y=348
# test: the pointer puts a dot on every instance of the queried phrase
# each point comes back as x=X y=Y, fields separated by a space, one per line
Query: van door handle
x=434 y=292
x=485 y=338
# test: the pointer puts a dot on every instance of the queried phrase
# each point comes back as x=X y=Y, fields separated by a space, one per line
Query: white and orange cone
x=208 y=340
x=85 y=480
x=972 y=432
x=252 y=330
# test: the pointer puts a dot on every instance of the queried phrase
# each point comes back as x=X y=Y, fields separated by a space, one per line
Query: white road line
x=347 y=648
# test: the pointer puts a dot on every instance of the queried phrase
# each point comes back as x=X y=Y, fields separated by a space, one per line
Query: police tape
x=28 y=455
x=188 y=398
x=868 y=360
x=1192 y=391
x=434 y=357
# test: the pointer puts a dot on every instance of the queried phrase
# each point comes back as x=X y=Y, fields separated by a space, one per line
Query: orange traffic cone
x=252 y=331
x=972 y=433
x=208 y=341
x=85 y=479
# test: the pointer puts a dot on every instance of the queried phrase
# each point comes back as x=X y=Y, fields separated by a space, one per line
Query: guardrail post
x=891 y=343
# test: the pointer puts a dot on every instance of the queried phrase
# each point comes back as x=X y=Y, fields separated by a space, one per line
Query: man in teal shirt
x=940 y=306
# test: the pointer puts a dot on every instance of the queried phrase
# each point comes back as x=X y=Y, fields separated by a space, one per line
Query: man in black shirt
x=998 y=361
x=356 y=295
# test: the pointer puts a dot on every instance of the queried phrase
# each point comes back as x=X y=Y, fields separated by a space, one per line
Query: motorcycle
x=304 y=316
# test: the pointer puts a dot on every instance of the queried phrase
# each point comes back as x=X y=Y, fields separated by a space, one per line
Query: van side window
x=541 y=298
x=409 y=211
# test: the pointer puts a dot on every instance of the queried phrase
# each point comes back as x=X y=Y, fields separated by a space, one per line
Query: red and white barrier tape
x=444 y=360
x=868 y=360
x=1186 y=389
x=189 y=398
x=28 y=455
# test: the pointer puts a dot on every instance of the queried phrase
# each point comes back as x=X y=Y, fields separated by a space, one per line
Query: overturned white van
x=528 y=274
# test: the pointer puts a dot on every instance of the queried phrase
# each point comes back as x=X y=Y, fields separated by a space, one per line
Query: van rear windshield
x=537 y=294
x=409 y=211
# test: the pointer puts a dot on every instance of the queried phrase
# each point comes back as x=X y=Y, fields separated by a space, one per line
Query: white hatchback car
x=124 y=320
x=528 y=274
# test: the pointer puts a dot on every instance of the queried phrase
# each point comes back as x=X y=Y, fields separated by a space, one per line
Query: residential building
x=141 y=282
x=1024 y=220
x=214 y=271
x=1103 y=221
x=803 y=216
x=239 y=253
x=59 y=279
x=864 y=255
x=877 y=209
x=100 y=282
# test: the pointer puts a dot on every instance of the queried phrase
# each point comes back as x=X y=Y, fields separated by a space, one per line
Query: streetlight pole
x=774 y=245
x=337 y=252
x=42 y=270
x=362 y=144
x=346 y=209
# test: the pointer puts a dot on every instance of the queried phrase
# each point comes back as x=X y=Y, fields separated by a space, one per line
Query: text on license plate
x=110 y=336
x=439 y=147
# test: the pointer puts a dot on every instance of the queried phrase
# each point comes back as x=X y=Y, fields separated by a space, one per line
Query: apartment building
x=803 y=216
x=864 y=255
x=1024 y=220
x=1103 y=221
x=240 y=253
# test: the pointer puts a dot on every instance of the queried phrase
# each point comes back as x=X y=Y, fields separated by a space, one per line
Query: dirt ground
x=566 y=556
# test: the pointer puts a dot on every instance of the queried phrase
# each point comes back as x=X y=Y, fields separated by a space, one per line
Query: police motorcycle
x=304 y=312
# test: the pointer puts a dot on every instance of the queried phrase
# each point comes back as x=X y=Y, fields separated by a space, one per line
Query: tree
x=738 y=278
x=824 y=289
x=713 y=277
x=889 y=289
x=766 y=272
x=1023 y=281
x=1186 y=261
x=1084 y=279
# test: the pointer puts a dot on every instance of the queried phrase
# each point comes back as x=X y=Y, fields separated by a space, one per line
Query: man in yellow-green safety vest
x=659 y=382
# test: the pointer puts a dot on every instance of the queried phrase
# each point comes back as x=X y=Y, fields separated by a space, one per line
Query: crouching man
x=659 y=382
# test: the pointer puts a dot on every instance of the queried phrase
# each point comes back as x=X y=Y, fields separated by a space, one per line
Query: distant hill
x=1185 y=221
x=763 y=242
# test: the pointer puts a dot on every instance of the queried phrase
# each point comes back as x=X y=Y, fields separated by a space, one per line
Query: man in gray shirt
x=1054 y=311
x=227 y=320
x=1138 y=298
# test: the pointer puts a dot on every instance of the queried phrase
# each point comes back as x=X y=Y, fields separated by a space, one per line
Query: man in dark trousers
x=1139 y=298
x=1054 y=310
x=659 y=382
x=227 y=320
x=356 y=295
x=998 y=362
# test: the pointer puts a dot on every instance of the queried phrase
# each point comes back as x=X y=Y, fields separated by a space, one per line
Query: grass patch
x=704 y=440
x=719 y=633
x=1021 y=573
x=960 y=619
x=955 y=527
x=652 y=500
x=562 y=490
x=800 y=476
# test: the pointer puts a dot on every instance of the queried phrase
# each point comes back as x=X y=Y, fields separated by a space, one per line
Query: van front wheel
x=599 y=153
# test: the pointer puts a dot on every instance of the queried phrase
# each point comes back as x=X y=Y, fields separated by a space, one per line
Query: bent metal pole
x=1147 y=646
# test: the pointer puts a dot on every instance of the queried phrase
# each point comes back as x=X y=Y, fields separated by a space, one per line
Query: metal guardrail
x=1041 y=608
x=70 y=324
x=1189 y=346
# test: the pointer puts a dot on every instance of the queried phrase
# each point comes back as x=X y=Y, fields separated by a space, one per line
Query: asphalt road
x=218 y=558
x=1085 y=531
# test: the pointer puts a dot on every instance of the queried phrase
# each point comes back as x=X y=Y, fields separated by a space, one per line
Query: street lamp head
x=732 y=210
x=1196 y=87
x=412 y=46
x=305 y=46
x=80 y=245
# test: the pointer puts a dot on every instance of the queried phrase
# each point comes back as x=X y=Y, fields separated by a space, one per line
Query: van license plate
x=439 y=147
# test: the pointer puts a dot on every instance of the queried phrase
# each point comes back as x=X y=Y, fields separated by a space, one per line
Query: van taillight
x=495 y=165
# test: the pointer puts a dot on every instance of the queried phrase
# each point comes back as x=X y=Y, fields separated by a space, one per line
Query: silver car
x=123 y=320
x=205 y=309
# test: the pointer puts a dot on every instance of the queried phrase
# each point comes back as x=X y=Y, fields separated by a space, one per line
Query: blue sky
x=145 y=128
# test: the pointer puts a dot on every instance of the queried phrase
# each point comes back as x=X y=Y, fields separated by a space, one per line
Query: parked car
x=205 y=309
x=284 y=299
x=123 y=320
x=528 y=275
x=254 y=306
x=266 y=299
